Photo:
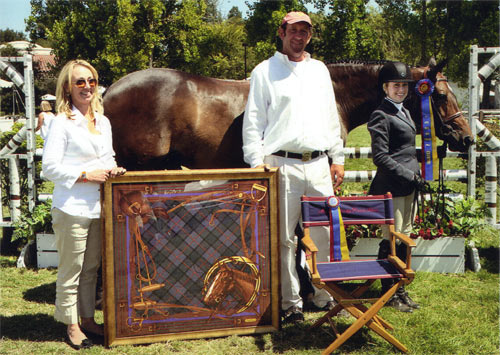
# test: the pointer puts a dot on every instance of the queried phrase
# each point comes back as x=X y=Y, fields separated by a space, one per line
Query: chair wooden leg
x=366 y=318
x=327 y=316
x=387 y=336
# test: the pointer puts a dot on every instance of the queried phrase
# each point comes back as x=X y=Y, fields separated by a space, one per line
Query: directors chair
x=335 y=212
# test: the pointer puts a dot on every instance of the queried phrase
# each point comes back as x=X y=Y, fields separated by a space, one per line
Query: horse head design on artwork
x=235 y=276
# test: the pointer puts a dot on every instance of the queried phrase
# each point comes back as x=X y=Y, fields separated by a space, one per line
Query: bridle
x=445 y=124
x=451 y=118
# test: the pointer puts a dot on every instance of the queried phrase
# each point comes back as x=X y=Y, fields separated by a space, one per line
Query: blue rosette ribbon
x=430 y=166
x=338 y=242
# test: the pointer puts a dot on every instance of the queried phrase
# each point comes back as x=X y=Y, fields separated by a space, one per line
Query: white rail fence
x=26 y=84
x=466 y=176
x=475 y=78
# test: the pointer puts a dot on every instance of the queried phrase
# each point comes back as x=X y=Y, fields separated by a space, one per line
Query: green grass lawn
x=458 y=315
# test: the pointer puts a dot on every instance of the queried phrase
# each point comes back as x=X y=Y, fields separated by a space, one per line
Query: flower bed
x=450 y=217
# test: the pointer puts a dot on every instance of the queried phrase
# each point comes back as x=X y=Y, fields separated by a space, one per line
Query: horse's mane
x=358 y=62
x=351 y=62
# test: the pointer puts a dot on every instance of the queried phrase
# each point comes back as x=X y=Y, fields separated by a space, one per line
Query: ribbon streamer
x=430 y=168
x=338 y=242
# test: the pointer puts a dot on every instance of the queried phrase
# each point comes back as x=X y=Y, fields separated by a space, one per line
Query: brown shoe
x=396 y=303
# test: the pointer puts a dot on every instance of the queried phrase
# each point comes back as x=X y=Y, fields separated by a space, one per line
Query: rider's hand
x=420 y=183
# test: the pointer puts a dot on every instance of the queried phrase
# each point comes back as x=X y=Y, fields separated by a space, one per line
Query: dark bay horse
x=164 y=118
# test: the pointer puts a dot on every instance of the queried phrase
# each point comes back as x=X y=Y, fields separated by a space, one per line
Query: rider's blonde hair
x=64 y=88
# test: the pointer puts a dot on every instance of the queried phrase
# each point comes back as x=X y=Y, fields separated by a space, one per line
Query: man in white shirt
x=291 y=122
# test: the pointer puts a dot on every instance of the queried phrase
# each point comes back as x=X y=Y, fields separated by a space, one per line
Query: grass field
x=459 y=312
x=459 y=315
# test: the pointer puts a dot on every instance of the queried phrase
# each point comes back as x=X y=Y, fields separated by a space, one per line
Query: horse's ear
x=435 y=68
x=440 y=66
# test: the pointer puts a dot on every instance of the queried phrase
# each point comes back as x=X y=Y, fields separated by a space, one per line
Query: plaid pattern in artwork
x=171 y=239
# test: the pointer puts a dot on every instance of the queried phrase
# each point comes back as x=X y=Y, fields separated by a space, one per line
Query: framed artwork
x=190 y=254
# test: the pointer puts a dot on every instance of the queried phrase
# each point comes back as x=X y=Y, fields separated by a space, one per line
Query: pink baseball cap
x=296 y=16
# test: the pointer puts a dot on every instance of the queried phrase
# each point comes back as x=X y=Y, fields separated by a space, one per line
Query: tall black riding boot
x=395 y=302
x=401 y=292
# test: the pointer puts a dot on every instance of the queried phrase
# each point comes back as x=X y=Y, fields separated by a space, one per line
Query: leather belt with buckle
x=304 y=156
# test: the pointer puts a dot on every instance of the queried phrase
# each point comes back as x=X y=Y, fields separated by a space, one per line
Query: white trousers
x=405 y=211
x=297 y=178
x=78 y=241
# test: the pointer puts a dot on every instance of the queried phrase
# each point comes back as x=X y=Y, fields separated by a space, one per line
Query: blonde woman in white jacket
x=78 y=157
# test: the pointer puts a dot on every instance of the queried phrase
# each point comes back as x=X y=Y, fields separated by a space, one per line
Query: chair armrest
x=405 y=239
x=308 y=243
x=311 y=251
x=410 y=243
x=403 y=267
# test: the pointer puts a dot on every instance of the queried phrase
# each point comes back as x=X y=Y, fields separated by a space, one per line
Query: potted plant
x=35 y=232
x=450 y=218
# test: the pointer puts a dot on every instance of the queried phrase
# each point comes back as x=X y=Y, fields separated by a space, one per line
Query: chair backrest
x=320 y=211
x=371 y=209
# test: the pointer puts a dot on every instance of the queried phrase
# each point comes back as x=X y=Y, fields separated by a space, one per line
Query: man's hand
x=266 y=167
x=337 y=172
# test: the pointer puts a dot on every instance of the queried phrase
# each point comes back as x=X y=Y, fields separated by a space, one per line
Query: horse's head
x=451 y=125
x=134 y=204
x=215 y=292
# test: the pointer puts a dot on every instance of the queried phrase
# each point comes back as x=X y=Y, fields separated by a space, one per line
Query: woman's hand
x=117 y=171
x=98 y=175
x=102 y=175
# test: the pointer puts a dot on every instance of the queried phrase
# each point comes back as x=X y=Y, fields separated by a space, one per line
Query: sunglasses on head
x=80 y=83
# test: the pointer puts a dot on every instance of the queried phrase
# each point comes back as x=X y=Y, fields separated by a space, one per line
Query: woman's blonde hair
x=45 y=106
x=64 y=88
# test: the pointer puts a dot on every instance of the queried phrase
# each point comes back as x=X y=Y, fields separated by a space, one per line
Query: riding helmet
x=394 y=71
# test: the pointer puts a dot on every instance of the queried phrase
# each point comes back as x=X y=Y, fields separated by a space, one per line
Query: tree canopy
x=122 y=36
x=9 y=35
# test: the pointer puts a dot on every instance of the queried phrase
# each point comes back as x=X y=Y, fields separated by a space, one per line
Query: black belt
x=304 y=156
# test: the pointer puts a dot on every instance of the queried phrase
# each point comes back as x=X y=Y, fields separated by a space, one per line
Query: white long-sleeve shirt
x=71 y=149
x=291 y=106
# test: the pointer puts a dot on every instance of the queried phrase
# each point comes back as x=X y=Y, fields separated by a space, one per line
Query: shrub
x=40 y=221
x=450 y=218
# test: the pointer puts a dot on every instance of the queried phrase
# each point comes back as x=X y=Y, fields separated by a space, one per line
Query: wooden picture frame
x=190 y=254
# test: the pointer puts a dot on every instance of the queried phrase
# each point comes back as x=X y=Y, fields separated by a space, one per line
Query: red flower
x=428 y=234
